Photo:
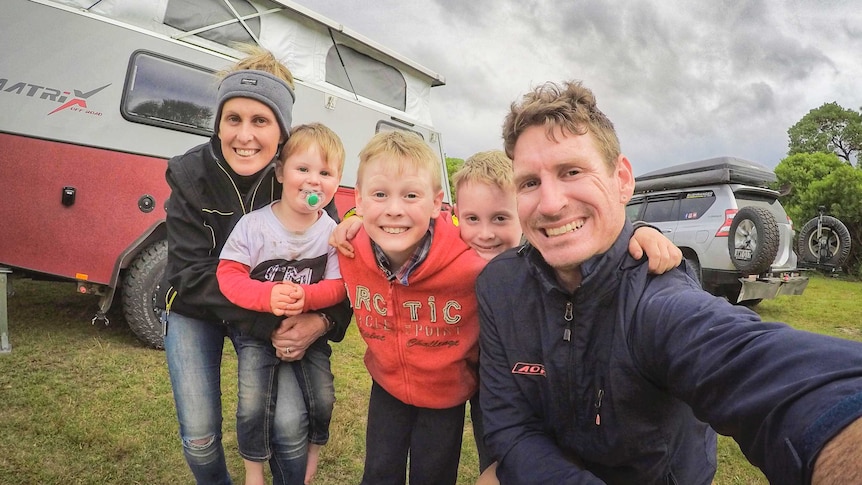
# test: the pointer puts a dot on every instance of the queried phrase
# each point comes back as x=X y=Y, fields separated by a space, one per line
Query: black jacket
x=204 y=206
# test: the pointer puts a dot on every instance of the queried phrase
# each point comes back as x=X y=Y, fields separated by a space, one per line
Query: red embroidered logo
x=528 y=369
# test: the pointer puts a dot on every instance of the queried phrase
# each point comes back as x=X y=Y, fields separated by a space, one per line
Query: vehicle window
x=366 y=76
x=659 y=210
x=695 y=204
x=633 y=209
x=771 y=203
x=169 y=93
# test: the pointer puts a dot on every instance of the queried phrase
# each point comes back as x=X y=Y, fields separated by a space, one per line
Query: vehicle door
x=659 y=210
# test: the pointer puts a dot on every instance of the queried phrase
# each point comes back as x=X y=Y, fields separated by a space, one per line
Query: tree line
x=823 y=169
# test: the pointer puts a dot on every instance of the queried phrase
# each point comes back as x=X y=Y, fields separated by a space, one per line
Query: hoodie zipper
x=567 y=333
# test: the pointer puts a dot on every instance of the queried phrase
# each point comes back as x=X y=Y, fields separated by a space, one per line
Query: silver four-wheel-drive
x=731 y=228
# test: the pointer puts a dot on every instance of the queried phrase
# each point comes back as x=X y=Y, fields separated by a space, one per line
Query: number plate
x=742 y=254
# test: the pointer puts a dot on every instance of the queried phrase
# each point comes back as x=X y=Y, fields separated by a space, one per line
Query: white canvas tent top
x=302 y=39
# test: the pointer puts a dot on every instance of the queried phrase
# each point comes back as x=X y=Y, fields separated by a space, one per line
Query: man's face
x=487 y=218
x=571 y=205
x=396 y=209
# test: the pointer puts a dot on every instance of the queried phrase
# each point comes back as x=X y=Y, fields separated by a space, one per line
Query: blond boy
x=411 y=288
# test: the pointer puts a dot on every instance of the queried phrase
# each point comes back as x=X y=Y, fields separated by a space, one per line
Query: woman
x=213 y=185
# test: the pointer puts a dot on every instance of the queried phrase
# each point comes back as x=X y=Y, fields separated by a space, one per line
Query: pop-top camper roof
x=299 y=37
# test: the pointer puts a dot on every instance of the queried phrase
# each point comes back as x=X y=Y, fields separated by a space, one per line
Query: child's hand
x=663 y=255
x=343 y=233
x=283 y=299
x=297 y=294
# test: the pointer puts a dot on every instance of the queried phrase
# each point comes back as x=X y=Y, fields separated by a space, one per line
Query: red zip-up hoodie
x=423 y=337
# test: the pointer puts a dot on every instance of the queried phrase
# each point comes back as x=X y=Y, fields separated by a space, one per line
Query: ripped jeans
x=194 y=349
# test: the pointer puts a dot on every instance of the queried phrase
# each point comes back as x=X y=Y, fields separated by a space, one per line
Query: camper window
x=366 y=76
x=169 y=93
x=191 y=15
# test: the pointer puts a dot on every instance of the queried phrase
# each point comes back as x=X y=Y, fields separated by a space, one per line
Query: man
x=593 y=371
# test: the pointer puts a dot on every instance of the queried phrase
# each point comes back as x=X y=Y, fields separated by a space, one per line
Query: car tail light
x=790 y=221
x=724 y=230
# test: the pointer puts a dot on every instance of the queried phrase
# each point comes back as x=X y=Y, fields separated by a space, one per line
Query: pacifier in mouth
x=313 y=199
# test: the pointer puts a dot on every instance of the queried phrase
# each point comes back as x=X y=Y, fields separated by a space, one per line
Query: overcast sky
x=681 y=80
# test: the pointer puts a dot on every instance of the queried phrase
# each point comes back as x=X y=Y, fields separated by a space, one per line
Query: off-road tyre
x=837 y=239
x=140 y=287
x=753 y=240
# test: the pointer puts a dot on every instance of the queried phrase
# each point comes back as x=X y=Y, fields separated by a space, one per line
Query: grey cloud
x=682 y=80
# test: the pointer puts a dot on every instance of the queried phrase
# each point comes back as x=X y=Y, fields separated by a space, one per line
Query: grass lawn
x=88 y=404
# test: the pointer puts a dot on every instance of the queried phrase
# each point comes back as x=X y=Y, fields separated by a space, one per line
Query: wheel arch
x=154 y=233
x=689 y=254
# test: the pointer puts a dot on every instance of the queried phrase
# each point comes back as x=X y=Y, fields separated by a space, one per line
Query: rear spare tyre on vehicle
x=139 y=291
x=753 y=240
x=834 y=238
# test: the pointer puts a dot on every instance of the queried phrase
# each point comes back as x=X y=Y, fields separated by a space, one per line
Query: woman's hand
x=295 y=334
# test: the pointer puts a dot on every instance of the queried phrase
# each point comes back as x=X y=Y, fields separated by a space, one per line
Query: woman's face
x=249 y=134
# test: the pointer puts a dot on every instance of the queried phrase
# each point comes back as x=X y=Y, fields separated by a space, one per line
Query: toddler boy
x=277 y=260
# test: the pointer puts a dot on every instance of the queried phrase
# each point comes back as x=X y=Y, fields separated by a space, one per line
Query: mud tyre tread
x=140 y=286
x=753 y=240
x=807 y=246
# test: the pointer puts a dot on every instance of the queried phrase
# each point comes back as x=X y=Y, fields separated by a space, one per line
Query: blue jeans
x=256 y=410
x=315 y=377
x=194 y=352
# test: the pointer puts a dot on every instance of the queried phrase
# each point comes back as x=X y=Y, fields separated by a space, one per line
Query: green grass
x=88 y=404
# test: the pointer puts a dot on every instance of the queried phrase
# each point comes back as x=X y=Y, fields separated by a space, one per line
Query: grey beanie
x=262 y=86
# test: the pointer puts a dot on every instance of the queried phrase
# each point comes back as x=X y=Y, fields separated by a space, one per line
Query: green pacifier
x=313 y=199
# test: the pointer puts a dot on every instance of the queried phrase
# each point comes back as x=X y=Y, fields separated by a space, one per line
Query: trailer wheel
x=753 y=240
x=139 y=292
x=834 y=234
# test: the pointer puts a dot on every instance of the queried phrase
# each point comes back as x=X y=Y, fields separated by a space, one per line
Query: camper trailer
x=97 y=95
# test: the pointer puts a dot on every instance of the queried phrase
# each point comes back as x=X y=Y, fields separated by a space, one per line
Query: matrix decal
x=78 y=102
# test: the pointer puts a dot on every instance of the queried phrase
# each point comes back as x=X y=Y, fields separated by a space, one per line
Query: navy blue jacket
x=613 y=383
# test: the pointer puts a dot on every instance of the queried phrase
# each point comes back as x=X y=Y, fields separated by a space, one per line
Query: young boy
x=277 y=260
x=485 y=208
x=411 y=288
x=487 y=217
